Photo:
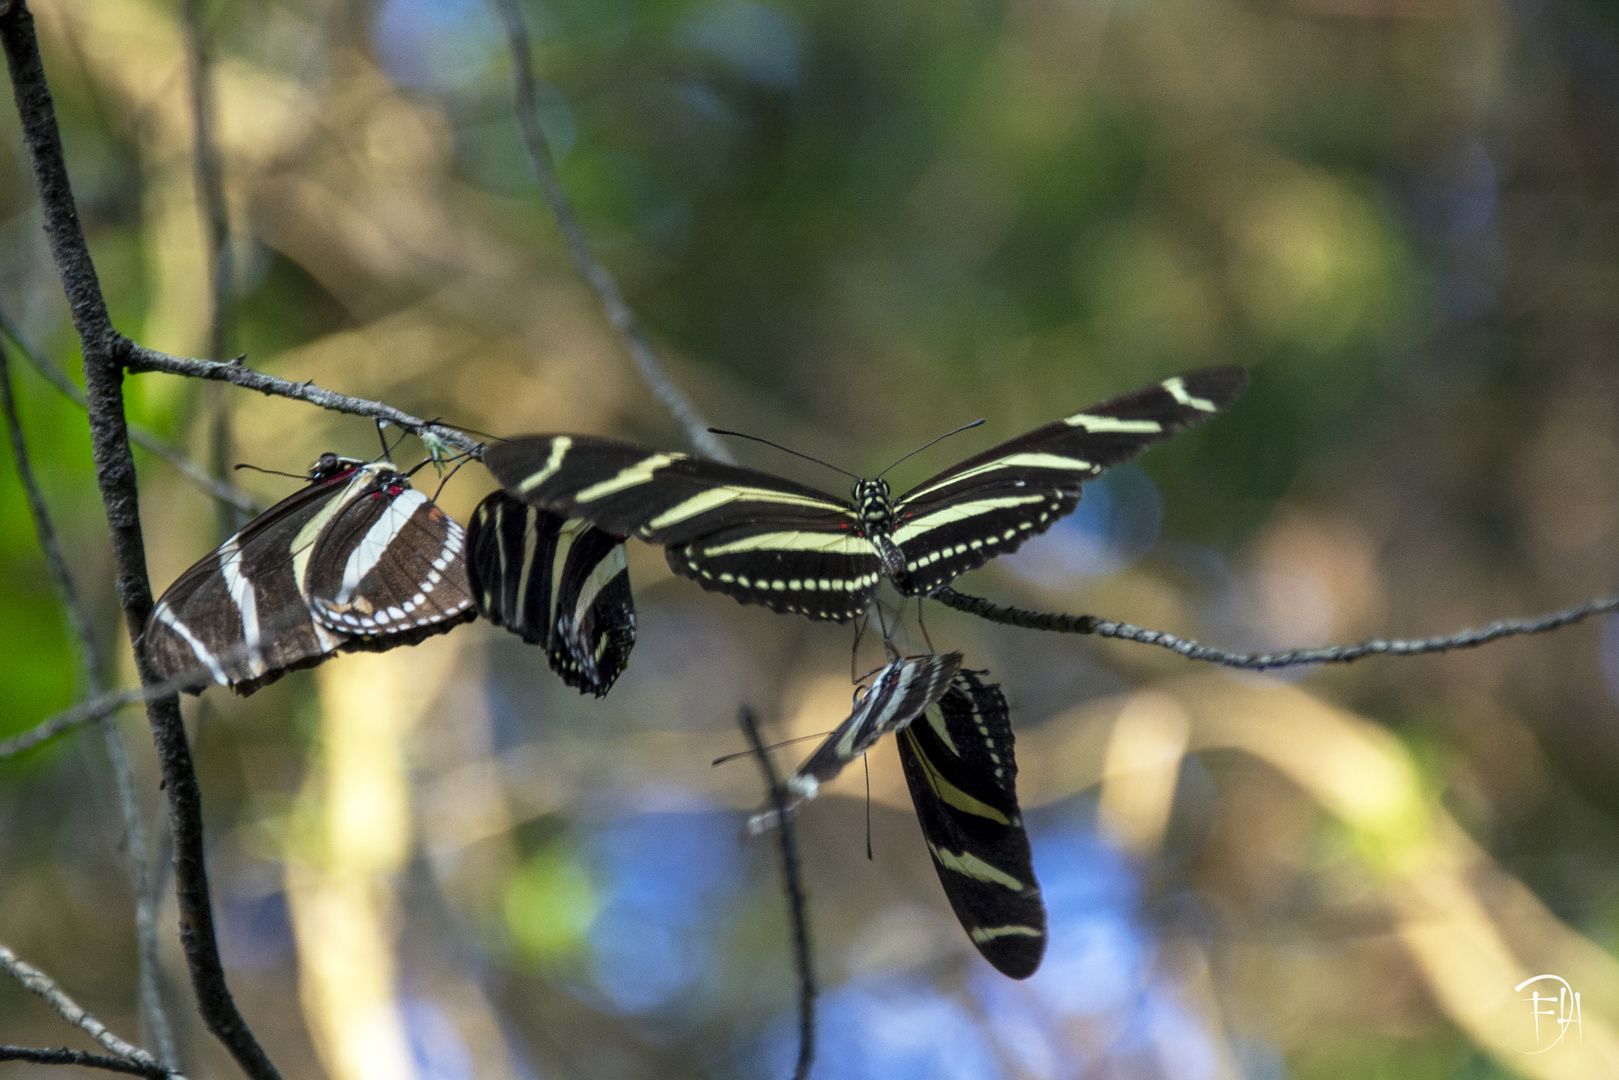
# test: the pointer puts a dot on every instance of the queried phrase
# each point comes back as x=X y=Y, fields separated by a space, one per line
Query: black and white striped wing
x=383 y=564
x=556 y=582
x=752 y=536
x=958 y=764
x=994 y=501
x=899 y=693
x=236 y=618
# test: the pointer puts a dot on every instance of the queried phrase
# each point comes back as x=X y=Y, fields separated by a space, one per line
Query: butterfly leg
x=922 y=624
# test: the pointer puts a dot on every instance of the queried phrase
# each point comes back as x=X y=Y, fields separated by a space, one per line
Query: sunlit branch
x=1326 y=654
x=211 y=209
x=78 y=617
x=61 y=1055
x=612 y=300
x=142 y=438
x=105 y=352
x=41 y=984
x=794 y=888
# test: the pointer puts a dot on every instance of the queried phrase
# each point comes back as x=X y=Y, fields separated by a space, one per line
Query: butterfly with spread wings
x=765 y=540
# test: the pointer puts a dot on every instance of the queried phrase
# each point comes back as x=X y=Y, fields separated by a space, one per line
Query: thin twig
x=1326 y=654
x=104 y=351
x=45 y=987
x=193 y=472
x=106 y=704
x=43 y=1055
x=215 y=221
x=794 y=888
x=78 y=617
x=612 y=300
x=138 y=358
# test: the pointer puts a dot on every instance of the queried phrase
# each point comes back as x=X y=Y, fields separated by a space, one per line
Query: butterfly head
x=332 y=467
x=871 y=496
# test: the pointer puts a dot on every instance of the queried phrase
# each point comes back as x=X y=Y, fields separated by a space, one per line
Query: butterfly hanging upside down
x=765 y=540
x=956 y=747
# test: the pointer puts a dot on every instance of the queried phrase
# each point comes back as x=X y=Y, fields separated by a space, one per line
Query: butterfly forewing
x=991 y=503
x=958 y=764
x=756 y=537
x=556 y=582
x=387 y=567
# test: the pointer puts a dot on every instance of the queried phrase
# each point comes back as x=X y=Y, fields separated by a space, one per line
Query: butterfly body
x=766 y=540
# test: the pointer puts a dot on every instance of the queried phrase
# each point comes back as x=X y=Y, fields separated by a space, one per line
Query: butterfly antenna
x=269 y=472
x=783 y=449
x=442 y=483
x=772 y=746
x=854 y=653
x=946 y=435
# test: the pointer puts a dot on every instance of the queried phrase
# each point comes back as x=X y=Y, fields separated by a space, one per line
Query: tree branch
x=794 y=888
x=1326 y=654
x=594 y=273
x=41 y=984
x=138 y=358
x=104 y=349
x=193 y=472
x=94 y=678
x=64 y=1056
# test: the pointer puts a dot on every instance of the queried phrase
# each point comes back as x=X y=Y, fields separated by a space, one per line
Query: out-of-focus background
x=850 y=227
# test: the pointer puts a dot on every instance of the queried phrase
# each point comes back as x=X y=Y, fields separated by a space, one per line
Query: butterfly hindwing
x=959 y=766
x=388 y=567
x=991 y=503
x=556 y=582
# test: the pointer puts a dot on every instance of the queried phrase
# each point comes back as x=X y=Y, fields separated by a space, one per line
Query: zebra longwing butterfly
x=559 y=583
x=899 y=693
x=765 y=540
x=357 y=560
x=958 y=764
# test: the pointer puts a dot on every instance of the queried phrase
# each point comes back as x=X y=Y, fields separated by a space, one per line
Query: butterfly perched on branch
x=357 y=560
x=765 y=540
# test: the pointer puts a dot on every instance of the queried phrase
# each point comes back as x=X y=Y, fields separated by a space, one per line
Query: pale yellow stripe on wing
x=303 y=545
x=634 y=476
x=951 y=795
x=911 y=530
x=972 y=866
x=1028 y=459
x=935 y=715
x=1177 y=390
x=722 y=496
x=986 y=934
x=796 y=540
x=559 y=449
x=1105 y=424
